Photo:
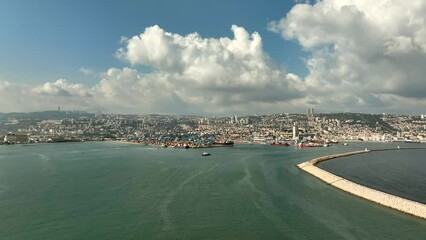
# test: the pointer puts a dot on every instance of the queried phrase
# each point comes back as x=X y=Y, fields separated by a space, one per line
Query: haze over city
x=213 y=58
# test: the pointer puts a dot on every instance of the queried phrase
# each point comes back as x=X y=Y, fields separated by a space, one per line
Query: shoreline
x=385 y=199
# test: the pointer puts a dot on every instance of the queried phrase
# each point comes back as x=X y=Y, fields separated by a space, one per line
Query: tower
x=295 y=131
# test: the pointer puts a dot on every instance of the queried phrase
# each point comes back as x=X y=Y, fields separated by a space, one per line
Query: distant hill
x=371 y=120
x=44 y=115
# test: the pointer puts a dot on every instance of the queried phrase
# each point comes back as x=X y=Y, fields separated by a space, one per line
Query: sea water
x=398 y=172
x=105 y=190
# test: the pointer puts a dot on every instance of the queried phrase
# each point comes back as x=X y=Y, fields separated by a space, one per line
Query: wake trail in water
x=45 y=161
x=3 y=188
x=264 y=205
x=164 y=207
x=42 y=157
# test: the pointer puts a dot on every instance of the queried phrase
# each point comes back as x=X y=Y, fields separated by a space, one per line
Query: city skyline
x=213 y=58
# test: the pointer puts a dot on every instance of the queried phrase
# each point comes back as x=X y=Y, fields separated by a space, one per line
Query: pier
x=398 y=203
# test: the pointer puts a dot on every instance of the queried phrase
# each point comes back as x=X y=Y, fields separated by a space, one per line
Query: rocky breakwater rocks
x=385 y=199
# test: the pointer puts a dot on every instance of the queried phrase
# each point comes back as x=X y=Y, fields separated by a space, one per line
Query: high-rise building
x=295 y=131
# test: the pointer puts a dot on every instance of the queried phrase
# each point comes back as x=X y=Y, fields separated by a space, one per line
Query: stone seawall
x=385 y=199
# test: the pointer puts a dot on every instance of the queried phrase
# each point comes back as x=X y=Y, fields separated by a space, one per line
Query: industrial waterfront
x=109 y=190
x=200 y=131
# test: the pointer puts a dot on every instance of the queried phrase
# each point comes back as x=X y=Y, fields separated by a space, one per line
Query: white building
x=295 y=132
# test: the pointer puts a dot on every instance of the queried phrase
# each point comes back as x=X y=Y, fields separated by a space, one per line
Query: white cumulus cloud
x=361 y=51
x=363 y=55
x=86 y=71
x=191 y=75
x=22 y=97
x=62 y=87
x=211 y=75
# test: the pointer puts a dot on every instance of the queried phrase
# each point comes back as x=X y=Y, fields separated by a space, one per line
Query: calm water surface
x=400 y=172
x=120 y=191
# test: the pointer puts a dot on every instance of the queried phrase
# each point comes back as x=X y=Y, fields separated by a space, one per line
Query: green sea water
x=122 y=191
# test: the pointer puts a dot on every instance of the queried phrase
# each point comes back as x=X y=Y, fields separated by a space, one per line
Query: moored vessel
x=226 y=143
x=279 y=144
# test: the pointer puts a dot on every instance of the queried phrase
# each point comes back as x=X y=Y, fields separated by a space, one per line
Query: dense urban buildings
x=63 y=126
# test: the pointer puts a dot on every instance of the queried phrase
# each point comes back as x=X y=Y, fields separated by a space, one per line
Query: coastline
x=385 y=199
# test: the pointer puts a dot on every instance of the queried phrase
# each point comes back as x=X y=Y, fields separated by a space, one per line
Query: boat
x=226 y=143
x=181 y=146
x=280 y=144
x=309 y=144
x=345 y=144
x=204 y=154
x=411 y=141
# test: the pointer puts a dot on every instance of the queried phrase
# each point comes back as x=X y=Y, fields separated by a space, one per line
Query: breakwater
x=401 y=204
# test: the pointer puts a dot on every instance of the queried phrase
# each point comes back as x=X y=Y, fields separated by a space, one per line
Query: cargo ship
x=279 y=144
x=226 y=143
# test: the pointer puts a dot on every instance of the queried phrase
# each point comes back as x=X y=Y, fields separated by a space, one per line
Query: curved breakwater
x=385 y=199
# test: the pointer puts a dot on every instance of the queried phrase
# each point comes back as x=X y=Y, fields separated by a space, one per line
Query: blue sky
x=213 y=57
x=50 y=39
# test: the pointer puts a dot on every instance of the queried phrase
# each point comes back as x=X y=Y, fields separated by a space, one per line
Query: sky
x=215 y=58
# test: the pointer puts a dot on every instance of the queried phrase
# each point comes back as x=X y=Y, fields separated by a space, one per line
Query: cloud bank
x=369 y=54
x=363 y=56
x=210 y=75
x=191 y=75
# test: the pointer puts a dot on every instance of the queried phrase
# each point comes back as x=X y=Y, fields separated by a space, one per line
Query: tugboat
x=204 y=154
